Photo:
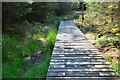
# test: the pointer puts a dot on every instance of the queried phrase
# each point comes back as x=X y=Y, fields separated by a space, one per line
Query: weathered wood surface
x=75 y=58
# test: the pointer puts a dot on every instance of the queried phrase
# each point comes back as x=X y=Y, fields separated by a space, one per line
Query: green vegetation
x=102 y=24
x=103 y=41
x=40 y=70
x=29 y=35
x=14 y=54
x=20 y=48
x=51 y=38
x=114 y=63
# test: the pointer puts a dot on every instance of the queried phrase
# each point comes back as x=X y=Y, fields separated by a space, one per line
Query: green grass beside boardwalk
x=15 y=50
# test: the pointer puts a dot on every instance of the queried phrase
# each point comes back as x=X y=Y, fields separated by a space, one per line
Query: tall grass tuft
x=51 y=38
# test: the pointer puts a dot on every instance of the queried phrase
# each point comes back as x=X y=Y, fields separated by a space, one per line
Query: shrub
x=114 y=41
x=102 y=41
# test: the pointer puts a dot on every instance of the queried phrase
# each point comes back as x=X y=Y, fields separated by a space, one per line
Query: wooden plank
x=83 y=78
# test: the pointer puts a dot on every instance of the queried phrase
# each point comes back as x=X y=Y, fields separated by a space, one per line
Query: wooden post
x=82 y=12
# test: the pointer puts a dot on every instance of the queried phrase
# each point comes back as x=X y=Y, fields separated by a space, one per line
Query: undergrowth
x=40 y=70
x=16 y=48
x=14 y=51
x=115 y=65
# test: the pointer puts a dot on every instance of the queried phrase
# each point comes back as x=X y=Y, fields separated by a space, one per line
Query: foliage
x=18 y=15
x=116 y=68
x=75 y=6
x=113 y=41
x=115 y=65
x=14 y=54
x=102 y=20
x=51 y=38
x=15 y=11
x=63 y=8
x=102 y=9
x=20 y=19
x=102 y=41
x=40 y=10
x=38 y=71
x=20 y=47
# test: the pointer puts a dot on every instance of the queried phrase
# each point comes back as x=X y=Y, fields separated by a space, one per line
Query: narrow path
x=75 y=58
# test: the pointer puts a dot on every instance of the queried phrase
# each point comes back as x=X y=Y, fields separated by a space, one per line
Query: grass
x=115 y=65
x=51 y=38
x=102 y=41
x=14 y=51
x=40 y=70
x=16 y=48
x=112 y=41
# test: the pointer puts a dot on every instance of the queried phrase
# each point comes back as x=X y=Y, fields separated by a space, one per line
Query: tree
x=14 y=12
x=40 y=10
x=64 y=7
x=22 y=13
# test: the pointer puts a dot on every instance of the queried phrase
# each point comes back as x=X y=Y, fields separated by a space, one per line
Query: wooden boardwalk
x=75 y=58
